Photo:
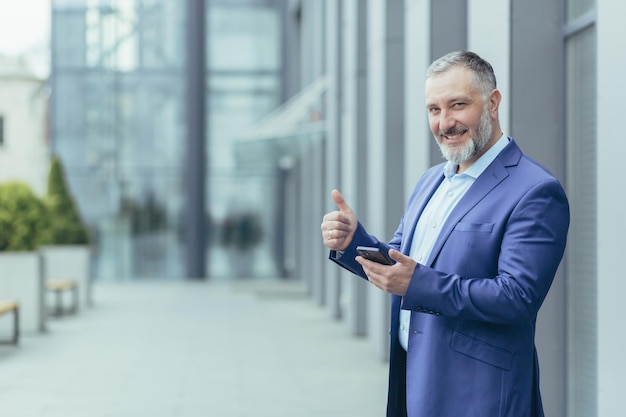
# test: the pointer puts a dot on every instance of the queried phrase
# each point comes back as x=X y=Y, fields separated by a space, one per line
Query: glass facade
x=118 y=122
x=244 y=85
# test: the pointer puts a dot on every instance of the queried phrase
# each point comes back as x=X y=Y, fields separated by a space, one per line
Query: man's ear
x=494 y=102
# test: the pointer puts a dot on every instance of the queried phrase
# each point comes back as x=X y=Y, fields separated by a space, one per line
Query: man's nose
x=446 y=121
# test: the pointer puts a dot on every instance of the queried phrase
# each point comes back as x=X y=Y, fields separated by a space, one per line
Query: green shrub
x=23 y=218
x=65 y=225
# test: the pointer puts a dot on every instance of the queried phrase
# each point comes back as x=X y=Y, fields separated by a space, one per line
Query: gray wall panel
x=354 y=148
x=448 y=33
x=385 y=160
x=537 y=124
x=333 y=157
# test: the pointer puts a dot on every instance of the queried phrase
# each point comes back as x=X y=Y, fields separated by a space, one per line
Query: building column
x=312 y=176
x=539 y=132
x=448 y=33
x=495 y=49
x=333 y=155
x=354 y=148
x=385 y=144
x=196 y=113
x=611 y=228
x=418 y=140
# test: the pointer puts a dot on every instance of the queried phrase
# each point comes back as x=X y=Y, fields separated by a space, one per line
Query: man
x=475 y=254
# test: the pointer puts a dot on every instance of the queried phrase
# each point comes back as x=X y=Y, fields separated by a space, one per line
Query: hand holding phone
x=374 y=254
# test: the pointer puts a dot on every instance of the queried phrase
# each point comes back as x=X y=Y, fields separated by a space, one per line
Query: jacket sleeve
x=347 y=258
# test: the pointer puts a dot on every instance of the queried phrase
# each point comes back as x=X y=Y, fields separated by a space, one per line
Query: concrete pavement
x=191 y=349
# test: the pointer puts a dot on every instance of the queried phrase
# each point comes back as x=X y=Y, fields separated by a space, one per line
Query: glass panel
x=118 y=122
x=582 y=240
x=577 y=8
x=126 y=34
x=117 y=117
x=244 y=38
x=117 y=35
x=231 y=115
x=68 y=42
x=244 y=59
x=160 y=30
x=244 y=83
x=243 y=235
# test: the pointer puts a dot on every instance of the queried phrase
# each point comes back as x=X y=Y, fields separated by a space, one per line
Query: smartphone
x=374 y=254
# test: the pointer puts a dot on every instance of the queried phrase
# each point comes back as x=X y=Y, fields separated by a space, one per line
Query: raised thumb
x=339 y=200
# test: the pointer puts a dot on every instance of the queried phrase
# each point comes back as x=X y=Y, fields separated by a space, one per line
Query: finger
x=369 y=266
x=339 y=228
x=398 y=256
x=341 y=203
x=331 y=216
x=335 y=219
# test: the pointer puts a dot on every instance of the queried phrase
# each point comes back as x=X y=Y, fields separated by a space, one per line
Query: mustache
x=452 y=131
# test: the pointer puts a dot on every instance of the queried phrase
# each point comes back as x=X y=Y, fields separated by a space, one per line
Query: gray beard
x=473 y=147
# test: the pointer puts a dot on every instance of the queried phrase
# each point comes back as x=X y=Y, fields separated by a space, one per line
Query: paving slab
x=187 y=349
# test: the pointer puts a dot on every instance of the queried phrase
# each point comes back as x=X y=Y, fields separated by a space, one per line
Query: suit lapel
x=415 y=209
x=495 y=173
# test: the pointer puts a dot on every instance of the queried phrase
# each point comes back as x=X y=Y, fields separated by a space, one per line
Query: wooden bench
x=7 y=306
x=58 y=286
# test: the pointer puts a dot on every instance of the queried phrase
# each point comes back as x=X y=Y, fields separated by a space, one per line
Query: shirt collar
x=481 y=164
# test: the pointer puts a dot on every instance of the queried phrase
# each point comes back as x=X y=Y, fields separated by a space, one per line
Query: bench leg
x=16 y=329
x=16 y=325
x=75 y=302
x=58 y=308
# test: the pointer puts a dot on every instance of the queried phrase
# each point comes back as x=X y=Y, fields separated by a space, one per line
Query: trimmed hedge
x=23 y=218
x=65 y=225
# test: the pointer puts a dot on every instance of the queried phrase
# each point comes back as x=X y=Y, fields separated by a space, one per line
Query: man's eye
x=458 y=105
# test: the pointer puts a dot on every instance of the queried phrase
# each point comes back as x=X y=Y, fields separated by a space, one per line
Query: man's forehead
x=455 y=81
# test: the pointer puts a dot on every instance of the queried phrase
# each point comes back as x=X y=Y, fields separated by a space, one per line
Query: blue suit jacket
x=474 y=303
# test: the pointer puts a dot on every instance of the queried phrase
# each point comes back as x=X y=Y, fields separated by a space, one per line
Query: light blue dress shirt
x=436 y=212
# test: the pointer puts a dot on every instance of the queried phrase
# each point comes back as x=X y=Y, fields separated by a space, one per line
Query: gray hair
x=483 y=72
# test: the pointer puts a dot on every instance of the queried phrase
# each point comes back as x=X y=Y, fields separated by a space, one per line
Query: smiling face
x=463 y=123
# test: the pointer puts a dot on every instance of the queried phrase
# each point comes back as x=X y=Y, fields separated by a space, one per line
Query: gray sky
x=24 y=24
x=25 y=28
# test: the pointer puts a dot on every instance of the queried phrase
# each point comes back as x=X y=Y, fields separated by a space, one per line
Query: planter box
x=70 y=262
x=22 y=280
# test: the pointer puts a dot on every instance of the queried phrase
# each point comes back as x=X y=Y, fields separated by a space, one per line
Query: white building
x=24 y=154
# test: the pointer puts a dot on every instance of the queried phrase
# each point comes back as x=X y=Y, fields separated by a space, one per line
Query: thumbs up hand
x=338 y=227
